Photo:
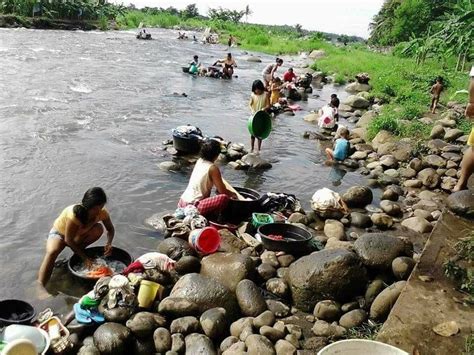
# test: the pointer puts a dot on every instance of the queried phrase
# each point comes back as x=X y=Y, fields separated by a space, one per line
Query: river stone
x=390 y=208
x=327 y=310
x=416 y=164
x=206 y=292
x=436 y=145
x=358 y=196
x=311 y=117
x=333 y=243
x=284 y=347
x=88 y=350
x=384 y=302
x=454 y=157
x=414 y=183
x=451 y=148
x=259 y=345
x=334 y=229
x=237 y=327
x=279 y=309
x=266 y=271
x=326 y=274
x=112 y=339
x=453 y=134
x=451 y=165
x=253 y=59
x=417 y=224
x=213 y=322
x=187 y=265
x=434 y=161
x=169 y=166
x=356 y=101
x=266 y=318
x=378 y=250
x=162 y=340
x=185 y=325
x=350 y=306
x=353 y=318
x=285 y=260
x=256 y=162
x=451 y=172
x=271 y=333
x=298 y=217
x=408 y=173
x=374 y=288
x=143 y=324
x=278 y=287
x=423 y=214
x=117 y=314
x=429 y=178
x=227 y=268
x=269 y=257
x=175 y=248
x=250 y=299
x=238 y=348
x=199 y=344
x=325 y=329
x=402 y=267
x=389 y=161
x=230 y=242
x=178 y=307
x=359 y=155
x=437 y=132
x=427 y=205
x=228 y=342
x=360 y=220
x=462 y=203
x=143 y=346
x=177 y=343
x=382 y=221
x=390 y=195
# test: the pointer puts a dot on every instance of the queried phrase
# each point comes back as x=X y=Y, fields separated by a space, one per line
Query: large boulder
x=206 y=293
x=366 y=118
x=358 y=196
x=175 y=248
x=378 y=250
x=429 y=178
x=317 y=53
x=417 y=224
x=381 y=138
x=356 y=87
x=356 y=101
x=228 y=268
x=462 y=203
x=328 y=274
x=112 y=339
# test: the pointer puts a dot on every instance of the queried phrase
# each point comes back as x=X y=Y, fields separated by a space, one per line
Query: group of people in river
x=222 y=68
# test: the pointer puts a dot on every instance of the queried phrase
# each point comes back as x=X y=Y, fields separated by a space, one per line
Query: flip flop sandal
x=82 y=316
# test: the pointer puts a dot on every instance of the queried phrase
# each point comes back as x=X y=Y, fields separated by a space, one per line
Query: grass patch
x=367 y=331
x=340 y=79
x=469 y=345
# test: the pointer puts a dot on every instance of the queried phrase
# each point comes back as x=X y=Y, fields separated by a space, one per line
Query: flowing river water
x=82 y=109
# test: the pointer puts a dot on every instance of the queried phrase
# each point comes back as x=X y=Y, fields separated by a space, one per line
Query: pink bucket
x=205 y=241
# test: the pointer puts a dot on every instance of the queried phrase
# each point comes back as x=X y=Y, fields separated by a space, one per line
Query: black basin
x=295 y=239
x=117 y=254
x=188 y=145
x=238 y=211
x=16 y=312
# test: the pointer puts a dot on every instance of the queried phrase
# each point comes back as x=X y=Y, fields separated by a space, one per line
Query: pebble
x=278 y=308
x=213 y=322
x=259 y=345
x=347 y=307
x=285 y=260
x=327 y=310
x=391 y=208
x=325 y=329
x=236 y=348
x=177 y=343
x=185 y=325
x=384 y=302
x=334 y=229
x=266 y=318
x=266 y=271
x=228 y=342
x=269 y=257
x=382 y=220
x=162 y=340
x=353 y=318
x=295 y=330
x=278 y=287
x=402 y=267
x=284 y=347
x=271 y=333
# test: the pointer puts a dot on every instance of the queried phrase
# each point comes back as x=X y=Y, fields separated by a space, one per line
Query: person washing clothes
x=77 y=227
x=327 y=118
x=341 y=147
x=205 y=176
x=259 y=101
x=275 y=89
x=269 y=71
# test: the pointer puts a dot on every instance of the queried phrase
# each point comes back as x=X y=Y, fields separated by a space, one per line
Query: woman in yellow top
x=275 y=89
x=259 y=101
x=77 y=227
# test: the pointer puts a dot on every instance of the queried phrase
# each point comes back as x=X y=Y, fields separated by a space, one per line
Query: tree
x=190 y=11
x=248 y=12
x=226 y=14
x=299 y=29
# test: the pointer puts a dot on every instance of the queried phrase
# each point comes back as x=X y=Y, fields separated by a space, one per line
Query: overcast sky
x=336 y=16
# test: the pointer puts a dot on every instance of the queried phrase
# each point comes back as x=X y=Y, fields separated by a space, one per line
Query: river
x=82 y=109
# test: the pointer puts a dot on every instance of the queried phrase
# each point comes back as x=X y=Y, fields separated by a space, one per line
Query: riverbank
x=45 y=23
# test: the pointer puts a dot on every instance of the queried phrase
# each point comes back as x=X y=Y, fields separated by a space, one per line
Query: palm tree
x=247 y=13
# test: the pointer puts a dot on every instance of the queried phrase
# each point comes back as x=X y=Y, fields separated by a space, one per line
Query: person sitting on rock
x=289 y=76
x=77 y=227
x=205 y=176
x=467 y=163
x=341 y=147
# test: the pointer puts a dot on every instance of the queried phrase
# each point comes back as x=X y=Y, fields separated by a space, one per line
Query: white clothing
x=327 y=119
x=200 y=184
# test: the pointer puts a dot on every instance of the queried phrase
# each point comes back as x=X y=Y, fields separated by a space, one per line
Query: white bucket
x=360 y=347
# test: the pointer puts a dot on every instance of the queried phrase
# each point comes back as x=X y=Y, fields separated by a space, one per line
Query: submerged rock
x=256 y=162
x=327 y=274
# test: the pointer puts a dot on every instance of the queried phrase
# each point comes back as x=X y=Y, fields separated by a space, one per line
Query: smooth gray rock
x=162 y=340
x=259 y=345
x=249 y=298
x=199 y=344
x=112 y=339
x=402 y=267
x=462 y=203
x=266 y=318
x=214 y=322
x=185 y=325
x=384 y=302
x=143 y=324
x=353 y=318
x=358 y=196
x=327 y=310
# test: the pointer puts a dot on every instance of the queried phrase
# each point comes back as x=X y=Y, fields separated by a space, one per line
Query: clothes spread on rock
x=186 y=131
x=280 y=202
x=120 y=292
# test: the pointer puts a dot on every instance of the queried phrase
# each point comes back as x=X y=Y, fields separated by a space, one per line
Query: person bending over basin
x=77 y=227
x=204 y=177
x=228 y=65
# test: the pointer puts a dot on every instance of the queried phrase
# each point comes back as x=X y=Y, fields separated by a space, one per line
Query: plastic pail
x=360 y=347
x=260 y=125
x=147 y=293
x=206 y=240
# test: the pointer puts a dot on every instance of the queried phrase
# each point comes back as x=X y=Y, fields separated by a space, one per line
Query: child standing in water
x=77 y=227
x=275 y=89
x=435 y=91
x=259 y=101
x=341 y=148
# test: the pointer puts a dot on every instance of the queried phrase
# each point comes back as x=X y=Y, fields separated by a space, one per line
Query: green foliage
x=464 y=125
x=365 y=331
x=388 y=121
x=461 y=268
x=469 y=345
x=340 y=79
x=226 y=14
x=190 y=11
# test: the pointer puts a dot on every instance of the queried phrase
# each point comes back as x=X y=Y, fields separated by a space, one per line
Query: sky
x=350 y=17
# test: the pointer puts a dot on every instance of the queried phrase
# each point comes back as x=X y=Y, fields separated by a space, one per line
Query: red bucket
x=205 y=241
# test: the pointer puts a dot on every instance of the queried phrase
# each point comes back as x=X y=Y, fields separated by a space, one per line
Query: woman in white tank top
x=204 y=177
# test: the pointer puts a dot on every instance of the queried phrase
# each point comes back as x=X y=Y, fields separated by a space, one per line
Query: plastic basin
x=360 y=347
x=295 y=239
x=16 y=312
x=260 y=125
x=238 y=211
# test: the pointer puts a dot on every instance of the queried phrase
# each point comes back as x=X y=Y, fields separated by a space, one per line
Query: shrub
x=387 y=122
x=340 y=79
